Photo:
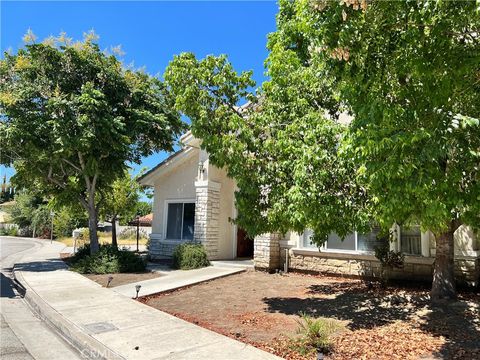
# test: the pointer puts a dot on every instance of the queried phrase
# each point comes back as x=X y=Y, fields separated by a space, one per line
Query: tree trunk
x=443 y=286
x=92 y=227
x=114 y=231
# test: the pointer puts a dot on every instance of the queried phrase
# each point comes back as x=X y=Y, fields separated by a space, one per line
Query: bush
x=68 y=219
x=190 y=256
x=107 y=260
x=315 y=334
x=389 y=260
x=9 y=231
x=12 y=231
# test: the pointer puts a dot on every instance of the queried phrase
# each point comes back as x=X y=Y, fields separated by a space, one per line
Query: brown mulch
x=394 y=323
x=122 y=278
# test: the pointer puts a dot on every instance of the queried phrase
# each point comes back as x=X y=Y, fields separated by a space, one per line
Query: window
x=352 y=242
x=372 y=240
x=180 y=221
x=411 y=240
x=306 y=242
x=335 y=242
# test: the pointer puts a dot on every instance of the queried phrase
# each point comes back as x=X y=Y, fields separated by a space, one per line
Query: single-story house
x=194 y=201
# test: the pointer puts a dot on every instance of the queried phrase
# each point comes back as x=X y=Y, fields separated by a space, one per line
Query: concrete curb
x=86 y=345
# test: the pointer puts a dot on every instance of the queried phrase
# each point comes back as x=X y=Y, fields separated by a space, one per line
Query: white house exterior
x=194 y=201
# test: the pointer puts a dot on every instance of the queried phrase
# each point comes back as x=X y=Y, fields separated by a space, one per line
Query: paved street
x=23 y=335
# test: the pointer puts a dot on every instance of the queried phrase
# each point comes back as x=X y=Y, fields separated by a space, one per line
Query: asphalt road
x=23 y=335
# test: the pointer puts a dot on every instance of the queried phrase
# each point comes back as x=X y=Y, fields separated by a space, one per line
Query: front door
x=244 y=244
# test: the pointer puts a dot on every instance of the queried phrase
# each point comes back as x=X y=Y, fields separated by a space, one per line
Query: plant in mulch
x=389 y=260
x=190 y=256
x=107 y=260
x=315 y=334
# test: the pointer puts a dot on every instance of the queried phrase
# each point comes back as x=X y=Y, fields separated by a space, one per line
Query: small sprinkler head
x=137 y=289
x=110 y=278
x=320 y=355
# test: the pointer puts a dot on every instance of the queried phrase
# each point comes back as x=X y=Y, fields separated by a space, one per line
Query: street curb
x=85 y=344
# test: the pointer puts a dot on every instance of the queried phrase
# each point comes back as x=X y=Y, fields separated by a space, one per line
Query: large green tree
x=121 y=201
x=407 y=73
x=410 y=74
x=73 y=117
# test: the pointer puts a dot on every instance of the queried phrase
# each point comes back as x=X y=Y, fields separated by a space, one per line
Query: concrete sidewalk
x=105 y=324
x=175 y=279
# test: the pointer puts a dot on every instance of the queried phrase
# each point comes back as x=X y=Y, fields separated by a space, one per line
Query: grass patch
x=103 y=238
x=107 y=260
x=315 y=334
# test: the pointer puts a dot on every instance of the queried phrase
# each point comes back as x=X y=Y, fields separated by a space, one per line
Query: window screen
x=307 y=243
x=335 y=242
x=411 y=240
x=180 y=221
x=371 y=240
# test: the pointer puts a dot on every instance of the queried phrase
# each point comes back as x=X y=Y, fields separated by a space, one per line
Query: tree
x=31 y=213
x=68 y=218
x=282 y=148
x=7 y=193
x=121 y=201
x=408 y=74
x=73 y=117
x=144 y=208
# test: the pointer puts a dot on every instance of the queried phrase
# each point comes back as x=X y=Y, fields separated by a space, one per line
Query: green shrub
x=190 y=256
x=315 y=334
x=84 y=234
x=107 y=260
x=389 y=260
x=12 y=231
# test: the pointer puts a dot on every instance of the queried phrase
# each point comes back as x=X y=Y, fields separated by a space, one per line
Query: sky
x=150 y=33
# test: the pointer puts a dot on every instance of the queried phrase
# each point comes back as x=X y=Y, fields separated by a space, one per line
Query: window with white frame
x=411 y=240
x=180 y=221
x=352 y=242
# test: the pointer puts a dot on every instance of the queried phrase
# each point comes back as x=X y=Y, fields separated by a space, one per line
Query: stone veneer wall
x=207 y=213
x=467 y=270
x=159 y=249
x=266 y=251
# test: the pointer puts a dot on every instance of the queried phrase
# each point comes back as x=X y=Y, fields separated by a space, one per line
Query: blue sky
x=151 y=32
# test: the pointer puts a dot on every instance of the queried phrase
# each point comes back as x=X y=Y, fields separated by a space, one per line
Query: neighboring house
x=142 y=221
x=194 y=201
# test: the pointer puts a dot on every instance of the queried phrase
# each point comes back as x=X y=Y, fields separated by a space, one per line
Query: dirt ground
x=121 y=278
x=396 y=323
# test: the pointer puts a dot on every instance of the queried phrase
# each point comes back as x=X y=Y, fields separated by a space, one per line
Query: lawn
x=104 y=238
x=396 y=323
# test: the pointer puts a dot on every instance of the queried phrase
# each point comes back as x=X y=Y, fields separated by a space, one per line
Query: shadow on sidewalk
x=41 y=266
x=7 y=286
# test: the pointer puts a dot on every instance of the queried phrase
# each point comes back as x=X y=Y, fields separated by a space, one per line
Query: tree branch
x=72 y=165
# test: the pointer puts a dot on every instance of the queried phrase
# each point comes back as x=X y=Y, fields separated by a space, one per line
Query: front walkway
x=175 y=279
x=105 y=324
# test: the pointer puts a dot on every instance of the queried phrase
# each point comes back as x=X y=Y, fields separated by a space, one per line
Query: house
x=194 y=201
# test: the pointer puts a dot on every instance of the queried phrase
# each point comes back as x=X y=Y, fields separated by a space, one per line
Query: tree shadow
x=459 y=323
x=42 y=266
x=7 y=287
x=366 y=306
